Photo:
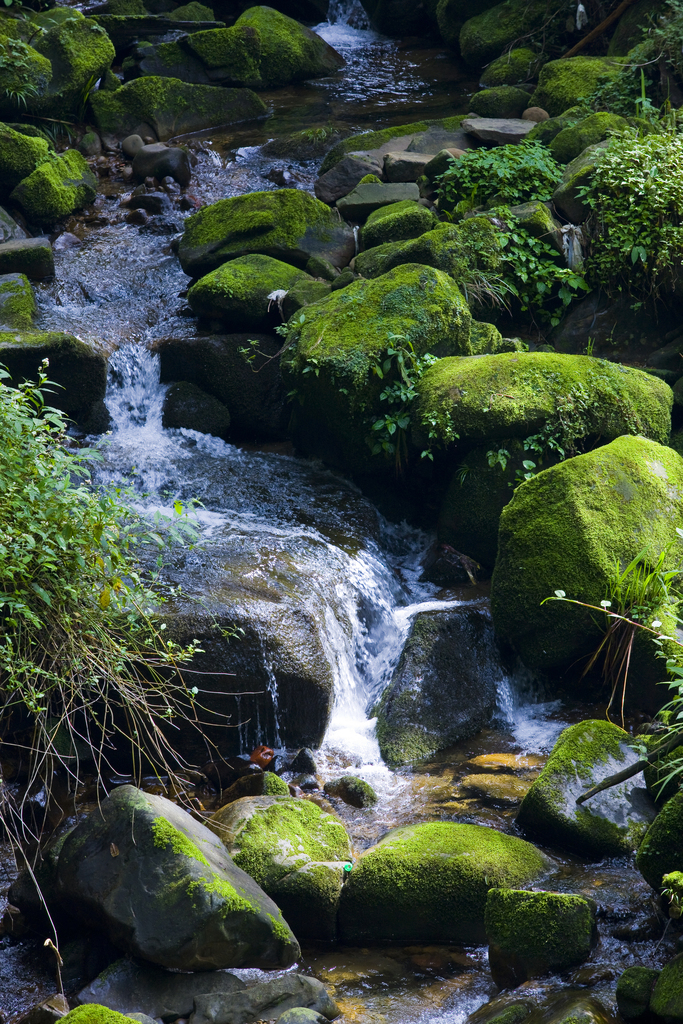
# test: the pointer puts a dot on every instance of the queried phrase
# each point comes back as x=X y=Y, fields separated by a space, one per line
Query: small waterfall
x=348 y=12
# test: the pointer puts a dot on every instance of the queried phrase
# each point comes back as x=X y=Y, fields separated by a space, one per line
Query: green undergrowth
x=507 y=174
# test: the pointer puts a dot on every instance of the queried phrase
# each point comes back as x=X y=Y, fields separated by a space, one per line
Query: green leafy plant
x=506 y=174
x=15 y=71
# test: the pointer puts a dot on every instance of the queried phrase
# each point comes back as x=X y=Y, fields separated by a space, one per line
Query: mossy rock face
x=531 y=934
x=500 y=101
x=485 y=36
x=536 y=218
x=289 y=52
x=658 y=772
x=545 y=131
x=238 y=292
x=513 y=68
x=352 y=790
x=375 y=140
x=79 y=52
x=429 y=883
x=661 y=851
x=172 y=896
x=19 y=156
x=17 y=302
x=451 y=16
x=633 y=26
x=56 y=188
x=576 y=174
x=564 y=530
x=186 y=405
x=170 y=107
x=30 y=256
x=79 y=372
x=611 y=824
x=634 y=990
x=193 y=11
x=288 y=225
x=94 y=1014
x=24 y=76
x=395 y=223
x=235 y=50
x=169 y=60
x=666 y=1002
x=572 y=141
x=332 y=352
x=294 y=851
x=562 y=83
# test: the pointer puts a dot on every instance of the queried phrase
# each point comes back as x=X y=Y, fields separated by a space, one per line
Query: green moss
x=19 y=156
x=634 y=989
x=352 y=790
x=576 y=175
x=485 y=36
x=238 y=291
x=661 y=851
x=165 y=834
x=273 y=785
x=80 y=52
x=545 y=131
x=395 y=223
x=92 y=1013
x=373 y=140
x=562 y=83
x=56 y=188
x=231 y=901
x=513 y=68
x=289 y=52
x=126 y=7
x=237 y=48
x=543 y=931
x=17 y=302
x=370 y=179
x=280 y=929
x=666 y=1002
x=572 y=141
x=500 y=101
x=451 y=14
x=24 y=74
x=192 y=12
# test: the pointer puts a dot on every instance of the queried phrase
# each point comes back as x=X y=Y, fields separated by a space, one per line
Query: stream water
x=119 y=288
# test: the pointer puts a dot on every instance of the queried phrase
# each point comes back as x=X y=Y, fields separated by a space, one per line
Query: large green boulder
x=513 y=68
x=395 y=223
x=80 y=52
x=231 y=54
x=17 y=302
x=334 y=345
x=531 y=934
x=295 y=851
x=429 y=883
x=545 y=131
x=562 y=83
x=19 y=156
x=577 y=174
x=288 y=224
x=567 y=529
x=289 y=51
x=79 y=372
x=485 y=36
x=572 y=141
x=452 y=14
x=57 y=188
x=171 y=894
x=169 y=107
x=634 y=991
x=239 y=292
x=24 y=76
x=666 y=1001
x=661 y=851
x=500 y=101
x=611 y=824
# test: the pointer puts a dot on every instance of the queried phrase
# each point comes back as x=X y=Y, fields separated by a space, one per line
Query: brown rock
x=497 y=790
x=535 y=114
x=498 y=129
x=505 y=764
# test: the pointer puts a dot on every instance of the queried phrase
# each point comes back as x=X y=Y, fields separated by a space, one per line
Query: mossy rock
x=666 y=1001
x=531 y=934
x=331 y=354
x=500 y=101
x=576 y=175
x=92 y=1013
x=79 y=373
x=169 y=60
x=30 y=256
x=304 y=292
x=56 y=189
x=289 y=51
x=513 y=68
x=634 y=990
x=295 y=851
x=187 y=406
x=661 y=851
x=19 y=156
x=238 y=292
x=396 y=223
x=352 y=790
x=572 y=141
x=24 y=76
x=565 y=529
x=80 y=52
x=452 y=14
x=611 y=824
x=170 y=107
x=193 y=11
x=236 y=49
x=657 y=774
x=136 y=7
x=17 y=302
x=545 y=131
x=484 y=37
x=536 y=218
x=374 y=140
x=633 y=26
x=429 y=883
x=562 y=83
x=288 y=225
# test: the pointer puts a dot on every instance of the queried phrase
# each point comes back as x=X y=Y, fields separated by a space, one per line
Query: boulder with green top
x=287 y=225
x=513 y=68
x=572 y=141
x=545 y=131
x=358 y=204
x=352 y=790
x=399 y=137
x=303 y=293
x=94 y=1014
x=80 y=52
x=666 y=1001
x=167 y=107
x=396 y=223
x=562 y=83
x=531 y=934
x=19 y=156
x=187 y=406
x=79 y=373
x=429 y=883
x=245 y=292
x=169 y=60
x=289 y=51
x=564 y=530
x=193 y=11
x=634 y=991
x=57 y=188
x=485 y=36
x=295 y=851
x=500 y=101
x=171 y=895
x=17 y=302
x=575 y=176
x=255 y=784
x=611 y=824
x=661 y=851
x=536 y=218
x=30 y=256
x=25 y=76
x=452 y=14
x=230 y=55
x=334 y=345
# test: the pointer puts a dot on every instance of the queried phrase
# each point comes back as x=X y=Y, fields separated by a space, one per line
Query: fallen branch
x=627 y=773
x=599 y=29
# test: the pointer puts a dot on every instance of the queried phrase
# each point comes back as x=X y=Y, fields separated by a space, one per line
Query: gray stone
x=9 y=229
x=90 y=144
x=151 y=202
x=131 y=145
x=301 y=1015
x=79 y=371
x=160 y=161
x=30 y=256
x=304 y=762
x=357 y=205
x=441 y=162
x=435 y=139
x=186 y=405
x=263 y=1001
x=142 y=1018
x=48 y=1012
x=575 y=175
x=501 y=130
x=344 y=176
x=352 y=790
x=405 y=166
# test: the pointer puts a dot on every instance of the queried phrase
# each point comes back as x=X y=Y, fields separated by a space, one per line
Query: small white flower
x=606 y=604
x=656 y=624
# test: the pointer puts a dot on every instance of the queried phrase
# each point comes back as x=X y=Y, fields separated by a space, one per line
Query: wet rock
x=445 y=871
x=131 y=145
x=496 y=790
x=306 y=783
x=294 y=851
x=443 y=688
x=159 y=161
x=304 y=762
x=17 y=302
x=56 y=189
x=447 y=567
x=255 y=784
x=67 y=241
x=151 y=202
x=48 y=1012
x=19 y=156
x=500 y=130
x=575 y=176
x=502 y=101
x=661 y=851
x=344 y=177
x=360 y=203
x=301 y=1015
x=352 y=790
x=405 y=166
x=240 y=292
x=9 y=229
x=169 y=894
x=264 y=1000
x=80 y=52
x=531 y=934
x=289 y=51
x=186 y=405
x=90 y=144
x=634 y=990
x=505 y=764
x=610 y=824
x=288 y=225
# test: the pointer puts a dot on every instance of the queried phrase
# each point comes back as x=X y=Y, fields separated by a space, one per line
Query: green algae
x=546 y=931
x=573 y=139
x=17 y=302
x=231 y=901
x=165 y=834
x=93 y=1013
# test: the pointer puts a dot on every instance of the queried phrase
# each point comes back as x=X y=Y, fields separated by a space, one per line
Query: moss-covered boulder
x=575 y=176
x=611 y=824
x=536 y=218
x=95 y=1014
x=193 y=11
x=187 y=406
x=562 y=83
x=485 y=36
x=80 y=52
x=351 y=790
x=239 y=292
x=634 y=991
x=395 y=223
x=661 y=851
x=500 y=101
x=295 y=851
x=30 y=256
x=633 y=26
x=666 y=1001
x=385 y=139
x=452 y=14
x=334 y=345
x=513 y=68
x=565 y=529
x=17 y=302
x=289 y=51
x=24 y=76
x=172 y=896
x=535 y=933
x=572 y=141
x=231 y=54
x=79 y=373
x=169 y=107
x=429 y=883
x=19 y=156
x=57 y=188
x=170 y=60
x=545 y=131
x=288 y=225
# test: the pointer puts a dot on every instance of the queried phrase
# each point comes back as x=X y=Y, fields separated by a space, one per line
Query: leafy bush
x=507 y=174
